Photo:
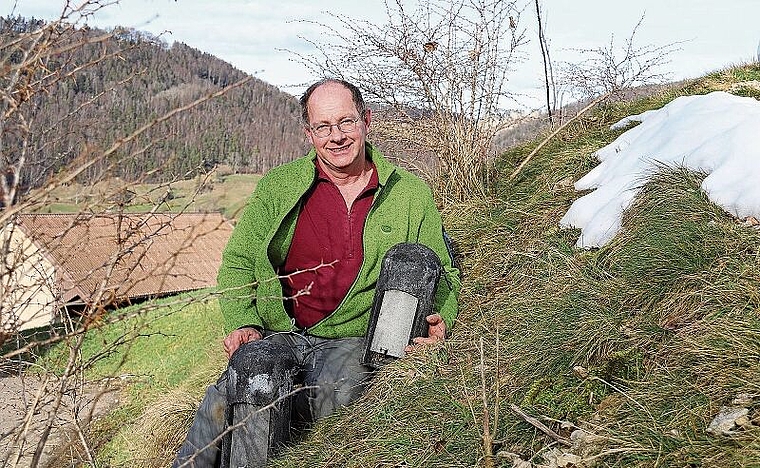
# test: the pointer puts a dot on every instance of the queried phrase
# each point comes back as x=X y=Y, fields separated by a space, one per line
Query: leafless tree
x=607 y=73
x=438 y=75
x=610 y=70
x=33 y=59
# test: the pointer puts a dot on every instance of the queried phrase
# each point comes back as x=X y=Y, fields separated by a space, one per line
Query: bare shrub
x=610 y=70
x=606 y=73
x=437 y=76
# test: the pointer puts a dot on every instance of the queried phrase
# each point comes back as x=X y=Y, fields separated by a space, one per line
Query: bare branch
x=540 y=426
x=437 y=75
x=612 y=70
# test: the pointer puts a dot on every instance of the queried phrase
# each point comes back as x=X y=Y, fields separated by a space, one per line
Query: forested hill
x=86 y=92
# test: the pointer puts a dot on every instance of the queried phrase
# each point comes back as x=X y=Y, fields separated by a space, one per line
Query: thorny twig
x=540 y=426
x=487 y=437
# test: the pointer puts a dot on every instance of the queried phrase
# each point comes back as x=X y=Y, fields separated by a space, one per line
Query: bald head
x=356 y=97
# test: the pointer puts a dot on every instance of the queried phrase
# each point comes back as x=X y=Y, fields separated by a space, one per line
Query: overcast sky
x=251 y=34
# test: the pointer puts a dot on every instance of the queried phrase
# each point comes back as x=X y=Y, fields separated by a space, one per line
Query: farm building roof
x=129 y=255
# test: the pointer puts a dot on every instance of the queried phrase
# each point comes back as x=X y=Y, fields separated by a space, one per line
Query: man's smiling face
x=341 y=152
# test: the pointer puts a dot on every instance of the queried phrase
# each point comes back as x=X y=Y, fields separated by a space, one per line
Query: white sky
x=717 y=133
x=251 y=33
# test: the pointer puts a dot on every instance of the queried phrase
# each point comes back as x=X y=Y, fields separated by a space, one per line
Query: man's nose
x=336 y=134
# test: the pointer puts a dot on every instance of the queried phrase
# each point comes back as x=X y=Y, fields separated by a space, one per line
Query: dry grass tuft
x=163 y=423
x=153 y=438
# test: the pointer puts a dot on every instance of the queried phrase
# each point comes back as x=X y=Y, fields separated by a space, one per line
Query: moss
x=564 y=397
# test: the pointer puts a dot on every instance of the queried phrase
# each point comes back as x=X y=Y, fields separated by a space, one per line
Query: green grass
x=60 y=208
x=223 y=193
x=164 y=347
x=157 y=344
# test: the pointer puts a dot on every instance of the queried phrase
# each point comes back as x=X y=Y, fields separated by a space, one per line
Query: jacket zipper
x=364 y=259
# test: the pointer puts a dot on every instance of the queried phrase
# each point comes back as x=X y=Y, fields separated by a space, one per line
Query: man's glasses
x=345 y=126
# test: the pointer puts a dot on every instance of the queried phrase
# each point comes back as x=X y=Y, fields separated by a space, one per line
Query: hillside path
x=17 y=394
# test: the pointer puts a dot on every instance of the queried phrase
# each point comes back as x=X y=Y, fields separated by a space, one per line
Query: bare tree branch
x=437 y=75
x=611 y=70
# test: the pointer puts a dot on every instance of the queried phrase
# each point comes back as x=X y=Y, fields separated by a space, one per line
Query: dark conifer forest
x=97 y=90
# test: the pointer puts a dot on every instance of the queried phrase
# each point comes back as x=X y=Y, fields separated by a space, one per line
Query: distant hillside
x=98 y=92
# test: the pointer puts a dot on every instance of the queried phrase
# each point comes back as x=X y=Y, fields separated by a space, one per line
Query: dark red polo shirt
x=326 y=232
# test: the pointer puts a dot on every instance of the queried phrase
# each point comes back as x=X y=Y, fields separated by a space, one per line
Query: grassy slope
x=162 y=353
x=664 y=320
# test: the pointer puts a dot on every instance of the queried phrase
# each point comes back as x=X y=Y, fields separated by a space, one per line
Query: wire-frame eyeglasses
x=345 y=126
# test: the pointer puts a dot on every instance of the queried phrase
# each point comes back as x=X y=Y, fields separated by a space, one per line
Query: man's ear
x=307 y=131
x=367 y=118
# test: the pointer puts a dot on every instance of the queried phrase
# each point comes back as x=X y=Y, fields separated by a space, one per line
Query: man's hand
x=238 y=337
x=436 y=332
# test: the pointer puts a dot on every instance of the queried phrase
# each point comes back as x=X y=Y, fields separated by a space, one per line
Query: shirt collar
x=374 y=179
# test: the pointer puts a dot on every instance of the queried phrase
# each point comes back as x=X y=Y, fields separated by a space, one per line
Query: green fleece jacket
x=402 y=211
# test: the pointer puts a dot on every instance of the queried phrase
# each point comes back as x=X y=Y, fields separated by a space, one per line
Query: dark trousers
x=332 y=367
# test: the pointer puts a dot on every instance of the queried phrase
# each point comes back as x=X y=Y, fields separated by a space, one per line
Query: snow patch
x=717 y=133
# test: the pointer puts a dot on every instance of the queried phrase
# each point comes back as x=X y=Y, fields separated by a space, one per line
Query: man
x=321 y=225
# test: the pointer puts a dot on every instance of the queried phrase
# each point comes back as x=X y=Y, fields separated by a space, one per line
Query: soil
x=18 y=394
